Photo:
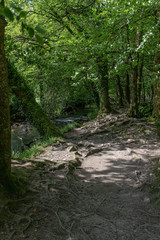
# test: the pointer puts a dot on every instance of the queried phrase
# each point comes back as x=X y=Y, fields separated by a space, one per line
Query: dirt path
x=104 y=198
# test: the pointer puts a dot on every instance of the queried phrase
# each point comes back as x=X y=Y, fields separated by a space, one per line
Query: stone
x=72 y=148
x=93 y=151
x=147 y=200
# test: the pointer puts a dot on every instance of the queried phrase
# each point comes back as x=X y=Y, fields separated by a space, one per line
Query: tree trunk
x=41 y=93
x=156 y=85
x=5 y=132
x=143 y=90
x=105 y=106
x=133 y=111
x=139 y=80
x=120 y=91
x=32 y=110
x=127 y=88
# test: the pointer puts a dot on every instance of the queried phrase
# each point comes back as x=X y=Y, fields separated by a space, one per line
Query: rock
x=58 y=166
x=130 y=141
x=142 y=141
x=147 y=200
x=125 y=122
x=93 y=151
x=89 y=145
x=78 y=154
x=72 y=148
x=17 y=144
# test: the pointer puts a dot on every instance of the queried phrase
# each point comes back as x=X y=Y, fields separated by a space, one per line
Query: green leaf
x=30 y=31
x=23 y=26
x=23 y=14
x=40 y=30
x=39 y=39
x=2 y=11
x=6 y=12
x=17 y=8
x=18 y=18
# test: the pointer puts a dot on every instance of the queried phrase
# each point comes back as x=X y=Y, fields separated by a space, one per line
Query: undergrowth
x=35 y=149
x=68 y=127
x=92 y=115
x=41 y=144
x=146 y=109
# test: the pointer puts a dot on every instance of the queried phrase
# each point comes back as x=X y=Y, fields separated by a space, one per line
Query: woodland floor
x=104 y=198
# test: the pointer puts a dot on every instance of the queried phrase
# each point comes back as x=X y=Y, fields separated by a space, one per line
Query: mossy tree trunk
x=156 y=85
x=32 y=110
x=139 y=80
x=5 y=132
x=105 y=106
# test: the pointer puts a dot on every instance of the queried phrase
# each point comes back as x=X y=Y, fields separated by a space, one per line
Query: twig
x=70 y=229
x=60 y=223
x=148 y=213
x=99 y=204
x=85 y=234
x=29 y=222
x=39 y=219
x=10 y=234
x=151 y=234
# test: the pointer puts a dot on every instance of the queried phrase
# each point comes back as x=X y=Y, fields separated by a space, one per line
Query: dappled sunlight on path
x=103 y=198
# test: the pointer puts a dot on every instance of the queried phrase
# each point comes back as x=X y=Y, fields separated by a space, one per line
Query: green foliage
x=6 y=12
x=146 y=109
x=29 y=153
x=36 y=149
x=93 y=114
x=40 y=30
x=157 y=123
x=68 y=127
x=40 y=145
x=63 y=69
x=23 y=14
x=39 y=39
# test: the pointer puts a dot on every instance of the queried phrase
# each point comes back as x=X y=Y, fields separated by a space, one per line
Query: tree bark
x=105 y=106
x=5 y=132
x=139 y=80
x=156 y=84
x=127 y=88
x=133 y=111
x=32 y=110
